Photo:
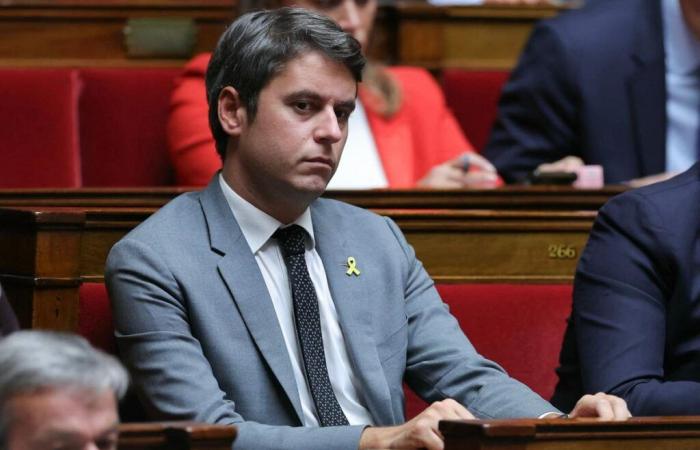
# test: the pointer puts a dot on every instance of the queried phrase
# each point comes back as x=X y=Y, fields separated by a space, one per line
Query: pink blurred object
x=589 y=177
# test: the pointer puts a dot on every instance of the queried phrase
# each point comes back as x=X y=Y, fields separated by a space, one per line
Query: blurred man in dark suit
x=614 y=83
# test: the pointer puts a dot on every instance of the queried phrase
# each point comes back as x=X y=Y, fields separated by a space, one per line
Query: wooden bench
x=544 y=198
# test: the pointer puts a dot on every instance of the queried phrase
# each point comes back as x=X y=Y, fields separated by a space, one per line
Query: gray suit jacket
x=196 y=326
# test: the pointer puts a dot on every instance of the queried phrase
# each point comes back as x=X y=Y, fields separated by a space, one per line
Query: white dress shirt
x=682 y=51
x=360 y=166
x=257 y=228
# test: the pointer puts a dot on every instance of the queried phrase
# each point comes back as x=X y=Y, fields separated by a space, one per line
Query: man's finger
x=566 y=164
x=424 y=434
x=478 y=161
x=479 y=179
x=619 y=408
x=604 y=409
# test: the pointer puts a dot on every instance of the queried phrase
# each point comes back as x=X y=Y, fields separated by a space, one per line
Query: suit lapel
x=392 y=136
x=647 y=90
x=242 y=276
x=352 y=300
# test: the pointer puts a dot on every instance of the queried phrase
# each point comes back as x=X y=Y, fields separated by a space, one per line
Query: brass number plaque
x=561 y=251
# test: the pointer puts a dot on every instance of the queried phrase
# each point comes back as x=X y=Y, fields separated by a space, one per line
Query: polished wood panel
x=92 y=32
x=478 y=37
x=641 y=433
x=47 y=252
x=175 y=436
x=505 y=198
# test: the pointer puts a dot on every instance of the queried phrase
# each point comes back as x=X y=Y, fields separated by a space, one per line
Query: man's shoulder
x=355 y=223
x=337 y=210
x=179 y=217
x=673 y=201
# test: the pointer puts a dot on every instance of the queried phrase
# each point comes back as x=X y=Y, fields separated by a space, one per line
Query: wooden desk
x=642 y=433
x=175 y=436
x=505 y=198
x=47 y=252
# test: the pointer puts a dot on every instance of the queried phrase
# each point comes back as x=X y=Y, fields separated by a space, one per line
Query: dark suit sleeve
x=623 y=286
x=537 y=112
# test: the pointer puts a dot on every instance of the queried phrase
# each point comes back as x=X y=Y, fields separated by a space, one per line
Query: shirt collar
x=257 y=226
x=681 y=46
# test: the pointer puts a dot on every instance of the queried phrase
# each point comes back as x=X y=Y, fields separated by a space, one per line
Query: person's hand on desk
x=469 y=170
x=600 y=405
x=420 y=432
x=566 y=164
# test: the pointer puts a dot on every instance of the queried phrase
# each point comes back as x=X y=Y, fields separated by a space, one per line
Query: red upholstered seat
x=473 y=97
x=123 y=113
x=519 y=326
x=39 y=128
x=95 y=317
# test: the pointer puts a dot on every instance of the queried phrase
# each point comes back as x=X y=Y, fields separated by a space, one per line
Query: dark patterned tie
x=308 y=323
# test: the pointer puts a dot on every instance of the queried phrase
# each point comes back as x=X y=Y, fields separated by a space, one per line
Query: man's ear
x=232 y=113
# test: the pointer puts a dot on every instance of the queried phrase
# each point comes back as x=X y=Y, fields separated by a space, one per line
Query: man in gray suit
x=256 y=303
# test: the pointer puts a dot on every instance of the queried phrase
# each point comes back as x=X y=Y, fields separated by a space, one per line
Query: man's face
x=355 y=17
x=691 y=14
x=289 y=152
x=55 y=419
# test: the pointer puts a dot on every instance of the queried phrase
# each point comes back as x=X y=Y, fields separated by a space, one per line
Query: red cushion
x=123 y=113
x=473 y=97
x=519 y=326
x=95 y=317
x=38 y=128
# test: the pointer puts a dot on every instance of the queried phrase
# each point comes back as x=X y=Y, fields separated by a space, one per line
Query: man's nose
x=328 y=129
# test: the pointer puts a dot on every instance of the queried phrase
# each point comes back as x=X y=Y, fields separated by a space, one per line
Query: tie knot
x=291 y=240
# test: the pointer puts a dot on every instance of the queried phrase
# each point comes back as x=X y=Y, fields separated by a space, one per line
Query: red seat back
x=95 y=317
x=123 y=113
x=39 y=128
x=473 y=97
x=519 y=326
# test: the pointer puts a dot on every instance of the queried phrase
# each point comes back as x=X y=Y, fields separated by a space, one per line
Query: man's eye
x=107 y=443
x=302 y=106
x=342 y=115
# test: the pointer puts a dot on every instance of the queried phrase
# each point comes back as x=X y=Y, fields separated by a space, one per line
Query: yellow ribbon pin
x=352 y=267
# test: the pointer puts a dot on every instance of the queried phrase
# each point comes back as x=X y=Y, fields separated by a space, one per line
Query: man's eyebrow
x=349 y=105
x=305 y=93
x=313 y=95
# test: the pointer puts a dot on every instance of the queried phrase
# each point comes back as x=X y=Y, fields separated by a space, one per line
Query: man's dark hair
x=255 y=48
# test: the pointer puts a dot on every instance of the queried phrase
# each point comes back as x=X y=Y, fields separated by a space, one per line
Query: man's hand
x=566 y=164
x=420 y=432
x=470 y=170
x=602 y=406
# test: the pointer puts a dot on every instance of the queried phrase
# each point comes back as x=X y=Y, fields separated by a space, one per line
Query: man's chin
x=314 y=186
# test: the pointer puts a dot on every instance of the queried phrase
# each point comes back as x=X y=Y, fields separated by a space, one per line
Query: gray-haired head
x=31 y=361
x=256 y=47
